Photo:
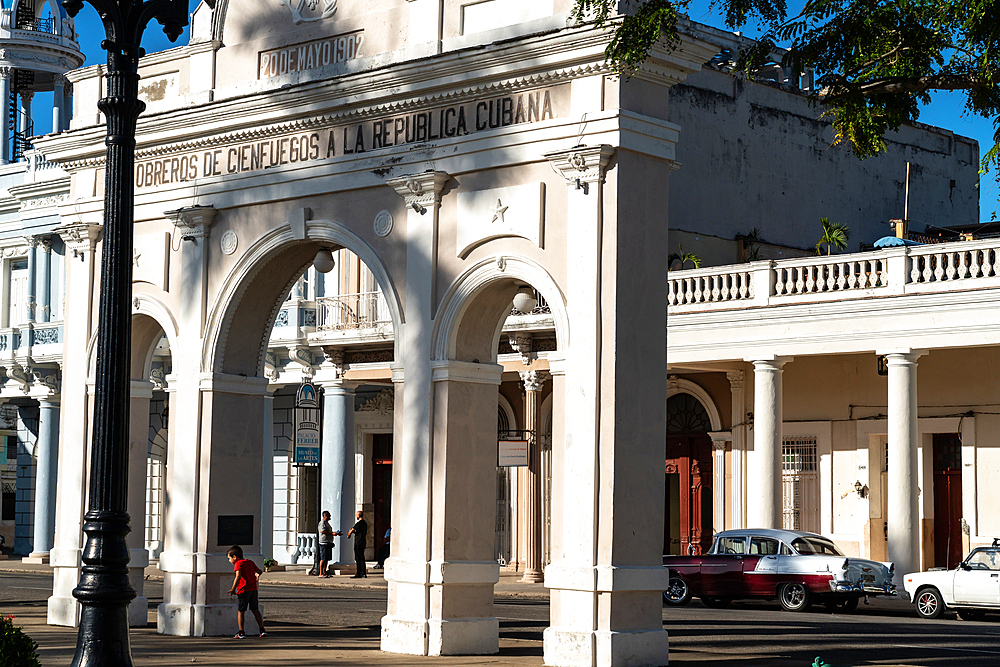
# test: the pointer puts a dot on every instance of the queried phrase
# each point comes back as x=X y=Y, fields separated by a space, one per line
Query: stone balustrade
x=888 y=272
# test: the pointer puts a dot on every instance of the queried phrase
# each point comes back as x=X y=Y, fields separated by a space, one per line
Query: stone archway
x=222 y=392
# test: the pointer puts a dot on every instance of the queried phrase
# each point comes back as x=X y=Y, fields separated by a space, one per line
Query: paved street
x=320 y=623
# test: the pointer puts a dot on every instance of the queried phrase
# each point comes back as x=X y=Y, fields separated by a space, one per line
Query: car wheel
x=677 y=594
x=794 y=597
x=929 y=603
x=716 y=602
x=971 y=614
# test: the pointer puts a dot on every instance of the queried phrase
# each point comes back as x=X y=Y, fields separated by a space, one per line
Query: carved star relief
x=498 y=211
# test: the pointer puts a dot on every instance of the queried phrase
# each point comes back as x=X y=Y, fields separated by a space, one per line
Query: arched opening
x=688 y=495
x=469 y=400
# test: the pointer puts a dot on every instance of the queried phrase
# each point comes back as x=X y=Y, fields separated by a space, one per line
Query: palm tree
x=835 y=236
x=683 y=258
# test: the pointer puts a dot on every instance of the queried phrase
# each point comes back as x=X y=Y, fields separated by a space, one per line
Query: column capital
x=557 y=364
x=26 y=95
x=192 y=221
x=338 y=386
x=766 y=362
x=33 y=241
x=582 y=164
x=736 y=379
x=420 y=190
x=901 y=356
x=80 y=236
x=452 y=370
x=6 y=72
x=533 y=380
x=46 y=243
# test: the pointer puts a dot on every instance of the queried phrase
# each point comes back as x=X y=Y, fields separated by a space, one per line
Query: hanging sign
x=512 y=453
x=307 y=421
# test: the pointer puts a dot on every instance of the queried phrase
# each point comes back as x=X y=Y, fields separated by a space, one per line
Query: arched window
x=685 y=414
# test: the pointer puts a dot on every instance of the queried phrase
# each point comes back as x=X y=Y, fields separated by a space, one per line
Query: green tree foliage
x=16 y=648
x=835 y=236
x=876 y=61
x=683 y=258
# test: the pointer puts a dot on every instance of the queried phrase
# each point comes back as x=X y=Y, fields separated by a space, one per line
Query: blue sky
x=946 y=110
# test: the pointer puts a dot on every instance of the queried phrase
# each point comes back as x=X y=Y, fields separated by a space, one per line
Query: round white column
x=337 y=468
x=902 y=512
x=764 y=467
x=47 y=449
x=533 y=485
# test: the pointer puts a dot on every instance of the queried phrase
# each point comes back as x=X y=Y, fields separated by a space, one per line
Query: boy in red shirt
x=245 y=589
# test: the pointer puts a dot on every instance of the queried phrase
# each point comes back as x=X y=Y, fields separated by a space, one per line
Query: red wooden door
x=947 y=500
x=690 y=458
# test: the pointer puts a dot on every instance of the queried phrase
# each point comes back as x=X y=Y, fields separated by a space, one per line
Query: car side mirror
x=965 y=566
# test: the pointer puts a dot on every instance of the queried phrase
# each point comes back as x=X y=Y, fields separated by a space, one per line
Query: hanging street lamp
x=104 y=591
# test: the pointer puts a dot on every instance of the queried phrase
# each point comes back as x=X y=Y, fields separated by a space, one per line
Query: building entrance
x=381 y=485
x=947 y=500
x=688 y=496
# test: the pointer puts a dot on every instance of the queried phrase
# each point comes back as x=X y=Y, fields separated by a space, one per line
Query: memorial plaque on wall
x=236 y=529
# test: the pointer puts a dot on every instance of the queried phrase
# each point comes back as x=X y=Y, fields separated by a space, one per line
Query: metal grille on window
x=685 y=414
x=800 y=484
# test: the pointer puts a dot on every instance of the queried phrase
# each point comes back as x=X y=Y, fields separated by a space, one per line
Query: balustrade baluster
x=716 y=291
x=963 y=264
x=800 y=281
x=939 y=259
x=952 y=260
x=928 y=273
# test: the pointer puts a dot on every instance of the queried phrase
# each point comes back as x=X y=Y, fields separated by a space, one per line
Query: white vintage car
x=971 y=589
x=795 y=567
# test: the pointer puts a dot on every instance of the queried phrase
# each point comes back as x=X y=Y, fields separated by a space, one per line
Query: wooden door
x=947 y=500
x=689 y=471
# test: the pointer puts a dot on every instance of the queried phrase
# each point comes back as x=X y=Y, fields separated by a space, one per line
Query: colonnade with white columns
x=764 y=456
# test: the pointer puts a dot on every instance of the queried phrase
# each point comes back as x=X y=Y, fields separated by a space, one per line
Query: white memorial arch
x=457 y=167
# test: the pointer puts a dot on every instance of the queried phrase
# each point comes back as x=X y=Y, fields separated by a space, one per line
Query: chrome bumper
x=866 y=588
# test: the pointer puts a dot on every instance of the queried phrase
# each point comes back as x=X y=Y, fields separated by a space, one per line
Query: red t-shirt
x=248 y=575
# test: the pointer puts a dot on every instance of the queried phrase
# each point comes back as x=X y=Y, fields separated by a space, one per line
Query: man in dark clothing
x=360 y=532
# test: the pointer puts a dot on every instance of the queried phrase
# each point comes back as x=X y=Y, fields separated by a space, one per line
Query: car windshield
x=815 y=546
x=984 y=559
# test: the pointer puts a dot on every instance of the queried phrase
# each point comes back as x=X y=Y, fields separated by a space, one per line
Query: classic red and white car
x=796 y=568
x=971 y=589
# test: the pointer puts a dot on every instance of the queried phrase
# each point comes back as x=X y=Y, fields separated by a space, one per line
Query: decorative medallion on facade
x=307 y=11
x=228 y=242
x=382 y=403
x=383 y=223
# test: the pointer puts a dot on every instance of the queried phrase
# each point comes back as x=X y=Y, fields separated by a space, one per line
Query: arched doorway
x=688 y=495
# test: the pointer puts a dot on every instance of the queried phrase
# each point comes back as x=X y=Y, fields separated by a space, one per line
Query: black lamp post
x=104 y=591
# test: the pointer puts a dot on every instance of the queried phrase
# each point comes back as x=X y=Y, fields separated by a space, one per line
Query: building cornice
x=472 y=73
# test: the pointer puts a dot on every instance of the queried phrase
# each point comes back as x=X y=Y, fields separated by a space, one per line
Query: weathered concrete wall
x=755 y=155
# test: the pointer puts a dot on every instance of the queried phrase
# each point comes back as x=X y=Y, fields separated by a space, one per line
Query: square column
x=737 y=380
x=406 y=626
x=764 y=508
x=75 y=421
x=463 y=569
x=141 y=393
x=902 y=513
x=221 y=467
x=606 y=577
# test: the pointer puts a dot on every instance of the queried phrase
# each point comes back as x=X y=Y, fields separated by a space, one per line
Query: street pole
x=104 y=591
